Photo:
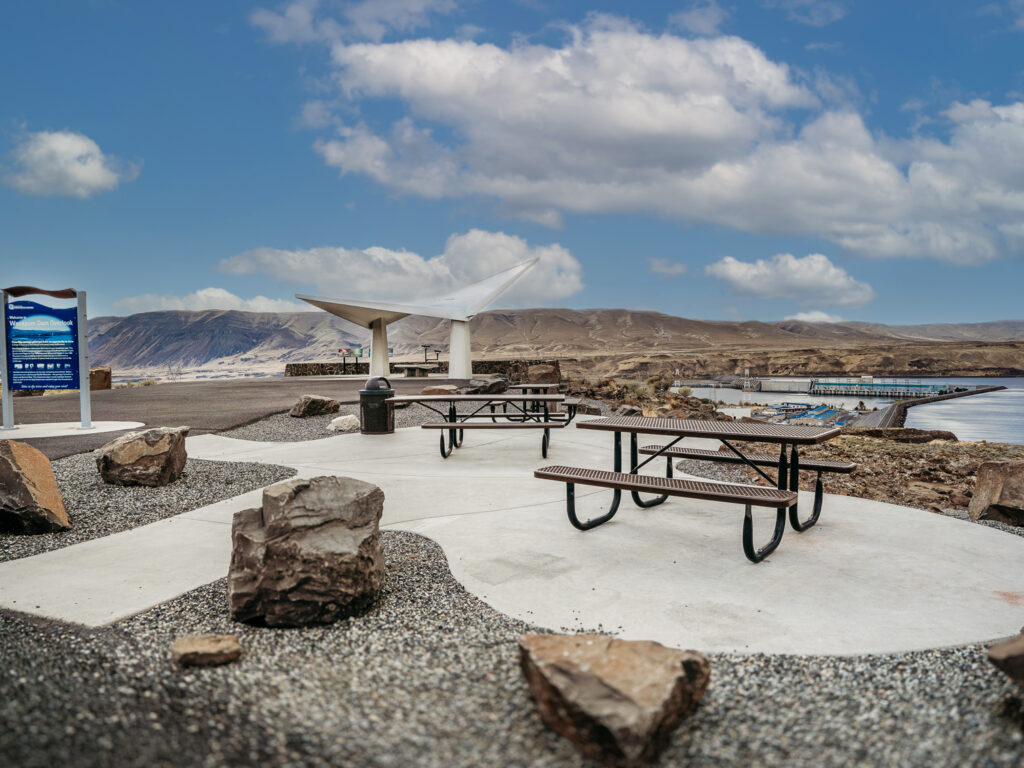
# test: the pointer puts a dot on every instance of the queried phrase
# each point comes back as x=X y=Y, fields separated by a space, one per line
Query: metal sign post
x=5 y=392
x=84 y=384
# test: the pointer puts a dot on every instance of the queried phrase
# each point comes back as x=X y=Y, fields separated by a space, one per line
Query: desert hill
x=234 y=342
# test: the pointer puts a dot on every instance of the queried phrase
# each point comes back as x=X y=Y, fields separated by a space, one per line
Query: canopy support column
x=379 y=349
x=460 y=358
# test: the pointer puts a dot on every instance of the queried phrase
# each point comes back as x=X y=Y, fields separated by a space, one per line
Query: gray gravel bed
x=429 y=677
x=97 y=509
x=282 y=428
x=961 y=514
x=726 y=473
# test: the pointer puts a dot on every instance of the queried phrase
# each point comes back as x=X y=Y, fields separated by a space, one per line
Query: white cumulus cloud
x=665 y=267
x=618 y=119
x=64 y=163
x=205 y=298
x=813 y=279
x=386 y=274
x=815 y=316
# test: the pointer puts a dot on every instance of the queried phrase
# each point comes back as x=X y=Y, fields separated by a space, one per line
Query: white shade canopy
x=460 y=304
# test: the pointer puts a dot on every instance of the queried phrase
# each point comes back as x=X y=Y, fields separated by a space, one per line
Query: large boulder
x=489 y=386
x=311 y=555
x=999 y=493
x=154 y=457
x=206 y=650
x=313 y=405
x=616 y=700
x=99 y=378
x=543 y=373
x=30 y=501
x=1009 y=657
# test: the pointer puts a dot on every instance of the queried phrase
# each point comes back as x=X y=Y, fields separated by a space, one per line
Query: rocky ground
x=429 y=677
x=97 y=509
x=936 y=475
x=650 y=398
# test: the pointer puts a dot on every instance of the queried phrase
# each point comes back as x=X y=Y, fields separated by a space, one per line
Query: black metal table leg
x=794 y=517
x=633 y=456
x=453 y=441
x=570 y=495
x=446 y=452
x=757 y=555
x=783 y=477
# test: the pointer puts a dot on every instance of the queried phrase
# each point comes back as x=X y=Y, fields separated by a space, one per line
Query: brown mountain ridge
x=601 y=340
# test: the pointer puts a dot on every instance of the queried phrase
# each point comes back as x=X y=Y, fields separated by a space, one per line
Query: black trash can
x=376 y=416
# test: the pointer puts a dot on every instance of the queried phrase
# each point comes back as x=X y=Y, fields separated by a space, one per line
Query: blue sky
x=758 y=160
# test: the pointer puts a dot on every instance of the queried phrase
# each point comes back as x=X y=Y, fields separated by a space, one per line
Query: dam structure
x=862 y=386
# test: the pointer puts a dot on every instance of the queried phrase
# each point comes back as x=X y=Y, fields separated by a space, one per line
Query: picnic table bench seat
x=460 y=425
x=455 y=431
x=731 y=493
x=755 y=460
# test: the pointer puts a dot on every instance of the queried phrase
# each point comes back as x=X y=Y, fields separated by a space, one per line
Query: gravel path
x=429 y=677
x=96 y=509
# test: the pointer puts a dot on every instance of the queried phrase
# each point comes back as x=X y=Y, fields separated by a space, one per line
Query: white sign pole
x=8 y=400
x=84 y=394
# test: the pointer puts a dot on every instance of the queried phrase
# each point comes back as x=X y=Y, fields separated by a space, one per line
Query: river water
x=997 y=417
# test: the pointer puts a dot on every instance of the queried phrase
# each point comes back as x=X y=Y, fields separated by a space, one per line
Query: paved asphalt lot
x=205 y=406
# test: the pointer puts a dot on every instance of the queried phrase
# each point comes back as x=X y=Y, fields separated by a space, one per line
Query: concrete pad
x=869 y=578
x=104 y=580
x=65 y=429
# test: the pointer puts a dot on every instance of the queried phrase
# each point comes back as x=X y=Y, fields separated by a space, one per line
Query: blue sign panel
x=42 y=346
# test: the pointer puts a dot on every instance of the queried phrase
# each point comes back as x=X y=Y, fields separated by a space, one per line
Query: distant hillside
x=230 y=340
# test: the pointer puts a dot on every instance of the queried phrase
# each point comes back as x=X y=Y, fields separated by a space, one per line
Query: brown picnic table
x=528 y=412
x=782 y=497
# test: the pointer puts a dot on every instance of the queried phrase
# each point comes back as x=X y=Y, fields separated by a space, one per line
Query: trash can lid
x=376 y=383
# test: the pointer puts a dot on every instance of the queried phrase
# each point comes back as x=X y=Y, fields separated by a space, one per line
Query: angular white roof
x=461 y=304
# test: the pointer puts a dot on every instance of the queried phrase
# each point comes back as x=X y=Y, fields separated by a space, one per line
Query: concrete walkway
x=65 y=429
x=869 y=578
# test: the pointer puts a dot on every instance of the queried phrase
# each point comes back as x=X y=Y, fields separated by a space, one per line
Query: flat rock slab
x=1009 y=657
x=206 y=650
x=616 y=700
x=313 y=405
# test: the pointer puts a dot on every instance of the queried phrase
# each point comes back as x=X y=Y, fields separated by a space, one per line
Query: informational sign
x=42 y=346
